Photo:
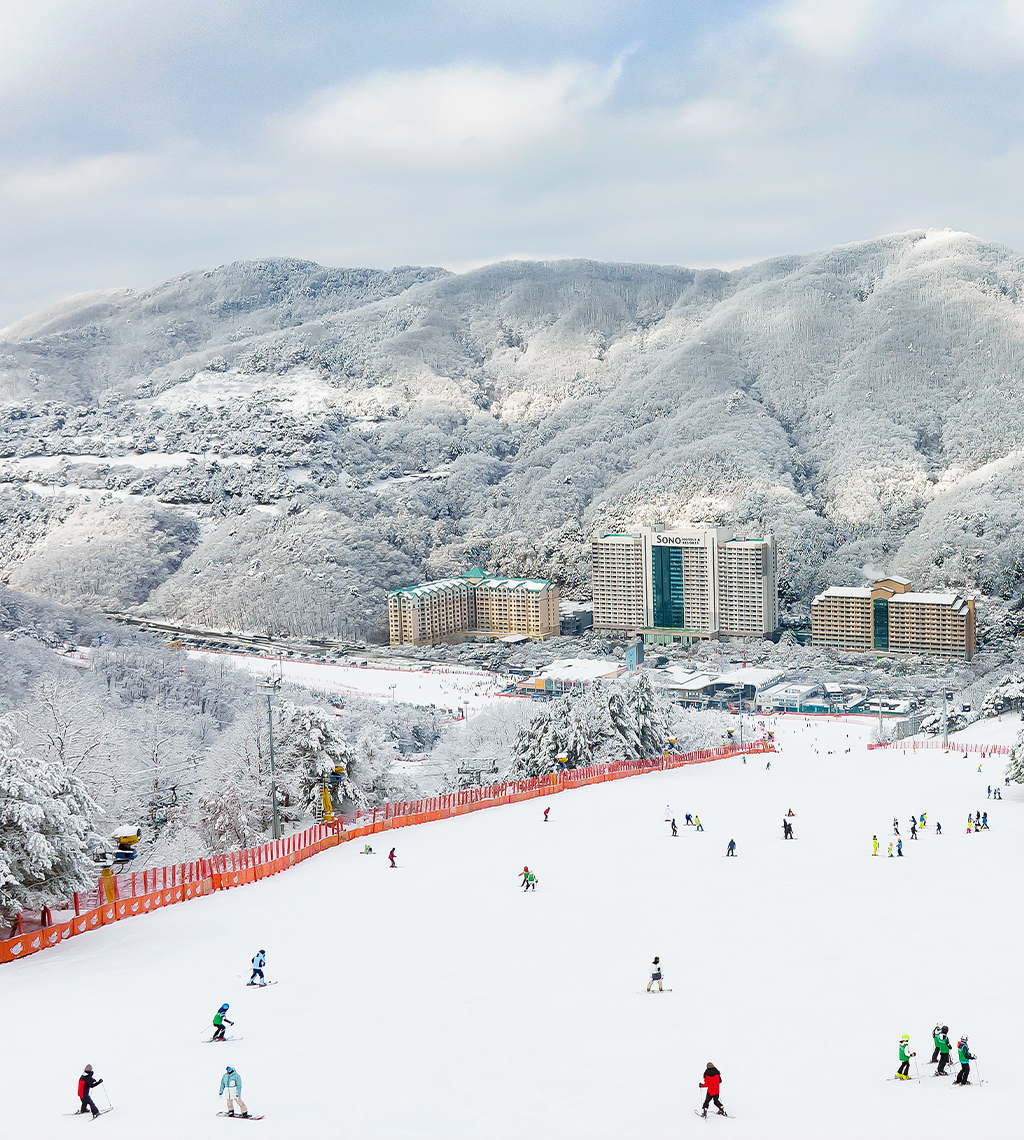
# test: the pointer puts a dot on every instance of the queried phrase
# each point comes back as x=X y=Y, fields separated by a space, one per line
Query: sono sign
x=676 y=540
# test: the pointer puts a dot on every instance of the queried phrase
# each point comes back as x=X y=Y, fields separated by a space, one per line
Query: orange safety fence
x=952 y=746
x=117 y=897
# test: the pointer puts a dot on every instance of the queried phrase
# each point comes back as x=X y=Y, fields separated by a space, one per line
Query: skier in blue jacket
x=257 y=969
x=231 y=1083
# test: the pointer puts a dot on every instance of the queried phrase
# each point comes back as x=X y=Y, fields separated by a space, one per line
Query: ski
x=666 y=990
x=214 y=1040
x=258 y=986
x=697 y=1112
x=239 y=1116
x=102 y=1112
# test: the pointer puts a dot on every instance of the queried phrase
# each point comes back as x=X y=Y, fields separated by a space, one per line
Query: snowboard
x=103 y=1112
x=239 y=1116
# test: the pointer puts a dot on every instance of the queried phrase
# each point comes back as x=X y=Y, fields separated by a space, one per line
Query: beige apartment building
x=685 y=584
x=890 y=617
x=452 y=609
x=618 y=587
x=748 y=591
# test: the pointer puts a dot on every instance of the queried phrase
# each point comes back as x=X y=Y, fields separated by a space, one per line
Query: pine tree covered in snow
x=45 y=828
x=310 y=751
x=1007 y=694
x=624 y=720
x=1015 y=764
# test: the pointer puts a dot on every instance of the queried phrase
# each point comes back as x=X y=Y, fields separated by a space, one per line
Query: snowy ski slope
x=437 y=1000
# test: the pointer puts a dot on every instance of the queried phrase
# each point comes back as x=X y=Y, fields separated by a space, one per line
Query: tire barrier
x=117 y=897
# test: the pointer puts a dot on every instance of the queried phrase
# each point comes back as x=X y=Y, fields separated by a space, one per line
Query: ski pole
x=916 y=1069
x=107 y=1095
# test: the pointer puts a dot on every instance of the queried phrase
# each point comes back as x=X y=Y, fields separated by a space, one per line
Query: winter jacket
x=944 y=1045
x=86 y=1082
x=965 y=1054
x=905 y=1051
x=233 y=1082
x=712 y=1081
x=219 y=1019
x=259 y=961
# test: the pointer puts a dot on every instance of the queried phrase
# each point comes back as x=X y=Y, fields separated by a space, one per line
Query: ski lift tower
x=269 y=688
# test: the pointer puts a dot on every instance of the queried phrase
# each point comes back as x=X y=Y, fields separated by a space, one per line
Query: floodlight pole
x=276 y=832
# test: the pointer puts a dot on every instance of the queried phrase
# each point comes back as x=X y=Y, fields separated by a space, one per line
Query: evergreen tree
x=45 y=829
x=310 y=751
x=650 y=716
x=1015 y=764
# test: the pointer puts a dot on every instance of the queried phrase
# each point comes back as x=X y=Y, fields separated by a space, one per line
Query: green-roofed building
x=474 y=604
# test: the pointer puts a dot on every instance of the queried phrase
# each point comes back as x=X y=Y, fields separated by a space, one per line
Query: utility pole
x=273 y=772
x=945 y=720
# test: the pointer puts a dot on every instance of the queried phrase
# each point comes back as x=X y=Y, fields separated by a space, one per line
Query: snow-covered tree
x=45 y=828
x=650 y=715
x=373 y=773
x=310 y=750
x=1007 y=694
x=1015 y=763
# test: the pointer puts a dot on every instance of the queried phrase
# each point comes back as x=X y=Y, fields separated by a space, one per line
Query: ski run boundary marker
x=127 y=895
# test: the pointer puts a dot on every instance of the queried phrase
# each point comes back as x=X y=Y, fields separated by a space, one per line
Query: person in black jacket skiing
x=87 y=1082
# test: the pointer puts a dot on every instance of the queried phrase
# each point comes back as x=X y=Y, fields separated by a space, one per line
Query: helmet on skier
x=945 y=1029
x=230 y=1069
x=263 y=951
x=964 y=1039
x=905 y=1037
x=224 y=1007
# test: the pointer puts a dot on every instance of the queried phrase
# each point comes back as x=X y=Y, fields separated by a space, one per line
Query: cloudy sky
x=142 y=139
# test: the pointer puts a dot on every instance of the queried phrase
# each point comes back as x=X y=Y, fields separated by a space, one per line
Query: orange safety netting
x=123 y=896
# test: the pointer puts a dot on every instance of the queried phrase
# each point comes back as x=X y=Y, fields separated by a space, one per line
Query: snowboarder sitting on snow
x=87 y=1082
x=258 y=962
x=367 y=849
x=731 y=850
x=655 y=974
x=903 y=1072
x=219 y=1021
x=712 y=1082
x=231 y=1083
x=944 y=1050
x=966 y=1057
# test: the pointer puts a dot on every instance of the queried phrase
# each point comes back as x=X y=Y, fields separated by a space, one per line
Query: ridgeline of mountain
x=271 y=445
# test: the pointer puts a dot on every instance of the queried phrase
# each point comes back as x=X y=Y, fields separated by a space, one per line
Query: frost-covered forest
x=270 y=446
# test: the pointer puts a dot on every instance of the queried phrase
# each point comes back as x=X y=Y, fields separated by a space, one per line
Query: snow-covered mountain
x=271 y=445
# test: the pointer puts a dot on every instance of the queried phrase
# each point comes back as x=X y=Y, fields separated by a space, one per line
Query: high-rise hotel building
x=889 y=616
x=684 y=585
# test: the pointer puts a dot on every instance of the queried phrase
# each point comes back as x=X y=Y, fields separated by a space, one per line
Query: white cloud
x=444 y=113
x=830 y=26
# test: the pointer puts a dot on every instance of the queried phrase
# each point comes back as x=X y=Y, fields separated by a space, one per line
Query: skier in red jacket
x=86 y=1083
x=712 y=1081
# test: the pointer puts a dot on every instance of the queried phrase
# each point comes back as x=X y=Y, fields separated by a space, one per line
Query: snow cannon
x=329 y=791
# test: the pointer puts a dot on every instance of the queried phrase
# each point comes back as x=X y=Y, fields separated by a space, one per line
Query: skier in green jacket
x=219 y=1021
x=903 y=1072
x=966 y=1057
x=944 y=1050
x=937 y=1040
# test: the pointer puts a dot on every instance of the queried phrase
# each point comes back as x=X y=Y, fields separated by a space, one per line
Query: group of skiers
x=940 y=1056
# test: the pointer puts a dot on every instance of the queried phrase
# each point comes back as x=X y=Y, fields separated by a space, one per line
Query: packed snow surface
x=446 y=687
x=437 y=1000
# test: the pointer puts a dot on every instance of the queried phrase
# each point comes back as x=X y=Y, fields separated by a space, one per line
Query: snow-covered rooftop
x=925 y=599
x=845 y=592
x=759 y=678
x=580 y=669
